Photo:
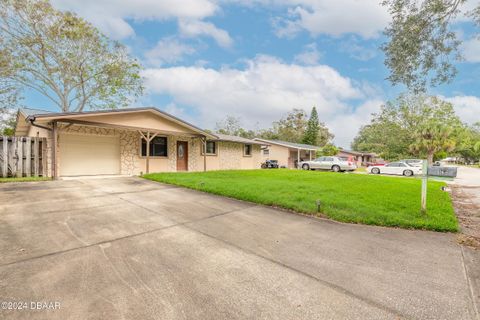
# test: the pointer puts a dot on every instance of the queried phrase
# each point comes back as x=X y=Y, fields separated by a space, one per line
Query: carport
x=288 y=153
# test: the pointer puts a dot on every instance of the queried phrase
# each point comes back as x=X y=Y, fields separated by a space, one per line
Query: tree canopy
x=296 y=127
x=232 y=126
x=7 y=121
x=293 y=127
x=469 y=144
x=412 y=125
x=422 y=46
x=313 y=127
x=64 y=58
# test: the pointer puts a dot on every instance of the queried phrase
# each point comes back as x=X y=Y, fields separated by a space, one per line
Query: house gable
x=145 y=119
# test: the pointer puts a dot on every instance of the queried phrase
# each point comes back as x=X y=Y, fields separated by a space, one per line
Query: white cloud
x=263 y=91
x=366 y=18
x=466 y=107
x=310 y=55
x=111 y=16
x=363 y=17
x=471 y=50
x=195 y=28
x=346 y=125
x=168 y=50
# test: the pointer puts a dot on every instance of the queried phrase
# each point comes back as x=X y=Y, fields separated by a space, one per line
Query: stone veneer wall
x=230 y=154
x=193 y=152
x=129 y=149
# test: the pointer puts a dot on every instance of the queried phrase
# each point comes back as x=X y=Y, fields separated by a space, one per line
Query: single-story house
x=288 y=154
x=131 y=142
x=361 y=158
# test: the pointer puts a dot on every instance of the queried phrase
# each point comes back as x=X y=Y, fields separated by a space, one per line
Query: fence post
x=5 y=157
x=44 y=157
x=36 y=158
x=13 y=157
x=20 y=157
x=28 y=156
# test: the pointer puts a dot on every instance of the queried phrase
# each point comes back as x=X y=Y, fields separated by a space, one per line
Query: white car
x=398 y=168
x=413 y=162
x=336 y=164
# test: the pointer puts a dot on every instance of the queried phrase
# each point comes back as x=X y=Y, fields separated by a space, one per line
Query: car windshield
x=343 y=158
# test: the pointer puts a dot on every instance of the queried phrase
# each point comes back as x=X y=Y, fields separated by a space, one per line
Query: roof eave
x=69 y=115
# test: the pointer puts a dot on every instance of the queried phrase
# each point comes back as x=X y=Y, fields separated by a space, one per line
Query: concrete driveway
x=127 y=248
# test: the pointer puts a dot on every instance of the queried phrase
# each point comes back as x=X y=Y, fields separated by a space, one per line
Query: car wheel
x=408 y=173
x=375 y=171
x=305 y=166
x=335 y=168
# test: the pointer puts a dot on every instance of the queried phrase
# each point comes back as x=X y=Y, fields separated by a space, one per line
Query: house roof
x=226 y=137
x=33 y=114
x=31 y=111
x=289 y=144
x=357 y=153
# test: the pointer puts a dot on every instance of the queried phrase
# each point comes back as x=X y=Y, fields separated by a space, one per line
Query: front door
x=182 y=156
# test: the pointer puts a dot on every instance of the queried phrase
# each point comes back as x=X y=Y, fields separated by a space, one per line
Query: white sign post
x=424 y=185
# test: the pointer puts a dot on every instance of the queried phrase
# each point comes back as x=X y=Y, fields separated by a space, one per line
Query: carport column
x=204 y=146
x=310 y=154
x=148 y=152
x=298 y=158
x=147 y=139
x=54 y=150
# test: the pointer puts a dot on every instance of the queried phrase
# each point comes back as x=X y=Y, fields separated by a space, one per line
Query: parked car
x=270 y=164
x=370 y=164
x=336 y=164
x=413 y=162
x=398 y=168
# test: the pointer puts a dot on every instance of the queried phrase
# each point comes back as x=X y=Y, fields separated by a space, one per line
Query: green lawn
x=23 y=179
x=358 y=198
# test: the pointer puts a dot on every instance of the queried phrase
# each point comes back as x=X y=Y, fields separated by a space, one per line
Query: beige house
x=360 y=158
x=288 y=154
x=132 y=142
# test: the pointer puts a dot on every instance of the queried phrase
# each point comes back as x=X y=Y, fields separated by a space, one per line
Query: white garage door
x=88 y=155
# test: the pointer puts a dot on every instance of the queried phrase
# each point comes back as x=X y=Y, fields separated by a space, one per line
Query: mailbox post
x=424 y=185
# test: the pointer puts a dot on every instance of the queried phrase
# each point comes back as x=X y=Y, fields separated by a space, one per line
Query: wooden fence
x=23 y=156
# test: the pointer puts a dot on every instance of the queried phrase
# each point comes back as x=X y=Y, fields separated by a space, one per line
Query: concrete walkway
x=127 y=248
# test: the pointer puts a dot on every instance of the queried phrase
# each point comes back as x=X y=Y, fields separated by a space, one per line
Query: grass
x=357 y=198
x=23 y=179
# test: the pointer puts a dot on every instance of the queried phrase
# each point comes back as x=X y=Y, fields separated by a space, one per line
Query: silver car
x=336 y=164
x=413 y=162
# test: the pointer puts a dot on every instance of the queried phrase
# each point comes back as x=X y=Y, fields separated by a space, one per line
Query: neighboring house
x=288 y=154
x=361 y=158
x=131 y=142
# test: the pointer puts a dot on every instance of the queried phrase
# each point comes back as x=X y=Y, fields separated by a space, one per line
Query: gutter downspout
x=32 y=122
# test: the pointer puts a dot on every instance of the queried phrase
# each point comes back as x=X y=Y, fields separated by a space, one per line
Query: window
x=211 y=148
x=247 y=150
x=266 y=152
x=329 y=159
x=158 y=147
x=393 y=164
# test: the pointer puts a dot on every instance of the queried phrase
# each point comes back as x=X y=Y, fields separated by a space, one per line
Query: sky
x=258 y=59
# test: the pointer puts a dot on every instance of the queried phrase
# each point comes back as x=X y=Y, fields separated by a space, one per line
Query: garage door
x=88 y=155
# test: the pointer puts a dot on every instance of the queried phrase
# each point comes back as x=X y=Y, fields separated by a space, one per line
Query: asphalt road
x=126 y=248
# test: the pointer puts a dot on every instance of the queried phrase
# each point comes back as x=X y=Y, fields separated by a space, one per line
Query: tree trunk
x=430 y=158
